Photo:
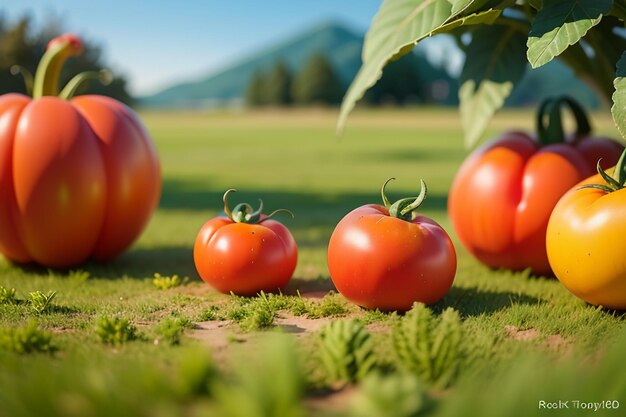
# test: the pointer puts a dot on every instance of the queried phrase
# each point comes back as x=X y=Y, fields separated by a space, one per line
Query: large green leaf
x=401 y=22
x=396 y=28
x=494 y=64
x=619 y=96
x=561 y=23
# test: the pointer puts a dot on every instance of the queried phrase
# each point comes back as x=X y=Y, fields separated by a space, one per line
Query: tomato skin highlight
x=59 y=183
x=378 y=261
x=584 y=244
x=245 y=258
x=133 y=173
x=503 y=194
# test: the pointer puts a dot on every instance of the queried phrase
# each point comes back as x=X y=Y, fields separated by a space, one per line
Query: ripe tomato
x=79 y=178
x=388 y=258
x=504 y=192
x=245 y=252
x=585 y=236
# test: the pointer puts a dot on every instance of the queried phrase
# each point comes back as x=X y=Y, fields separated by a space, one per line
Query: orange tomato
x=245 y=252
x=503 y=194
x=584 y=239
x=79 y=178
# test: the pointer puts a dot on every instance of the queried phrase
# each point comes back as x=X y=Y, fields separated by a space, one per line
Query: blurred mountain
x=342 y=47
x=339 y=45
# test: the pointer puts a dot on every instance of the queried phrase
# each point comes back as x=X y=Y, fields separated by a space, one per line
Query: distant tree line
x=404 y=81
x=315 y=83
x=21 y=44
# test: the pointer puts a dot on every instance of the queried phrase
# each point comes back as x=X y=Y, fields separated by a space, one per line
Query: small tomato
x=388 y=258
x=585 y=235
x=245 y=252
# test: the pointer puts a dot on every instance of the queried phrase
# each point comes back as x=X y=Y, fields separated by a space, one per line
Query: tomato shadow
x=471 y=302
x=413 y=155
x=137 y=263
x=310 y=288
x=141 y=263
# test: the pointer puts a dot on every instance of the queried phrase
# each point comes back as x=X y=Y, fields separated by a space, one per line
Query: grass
x=292 y=160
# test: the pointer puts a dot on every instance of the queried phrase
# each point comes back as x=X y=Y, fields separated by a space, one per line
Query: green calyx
x=244 y=213
x=550 y=123
x=46 y=79
x=404 y=208
x=614 y=182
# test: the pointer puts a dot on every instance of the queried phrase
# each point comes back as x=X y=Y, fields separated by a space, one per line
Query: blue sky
x=157 y=42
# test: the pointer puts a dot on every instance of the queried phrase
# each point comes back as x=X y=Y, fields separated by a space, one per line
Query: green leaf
x=471 y=6
x=494 y=64
x=487 y=17
x=402 y=22
x=396 y=28
x=561 y=23
x=619 y=96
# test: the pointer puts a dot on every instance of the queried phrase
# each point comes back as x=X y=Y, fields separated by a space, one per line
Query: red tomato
x=79 y=178
x=246 y=252
x=502 y=196
x=386 y=258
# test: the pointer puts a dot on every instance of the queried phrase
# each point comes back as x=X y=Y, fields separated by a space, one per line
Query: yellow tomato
x=585 y=242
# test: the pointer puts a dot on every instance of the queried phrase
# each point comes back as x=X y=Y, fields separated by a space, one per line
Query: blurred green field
x=291 y=159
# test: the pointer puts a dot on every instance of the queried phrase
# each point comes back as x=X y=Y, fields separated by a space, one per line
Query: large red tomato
x=245 y=252
x=387 y=258
x=79 y=178
x=503 y=194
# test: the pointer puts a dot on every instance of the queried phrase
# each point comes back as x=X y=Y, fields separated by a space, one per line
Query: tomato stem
x=611 y=182
x=49 y=69
x=225 y=200
x=616 y=181
x=418 y=200
x=386 y=202
x=549 y=120
x=104 y=76
x=620 y=169
x=244 y=213
x=404 y=208
x=275 y=212
x=26 y=76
